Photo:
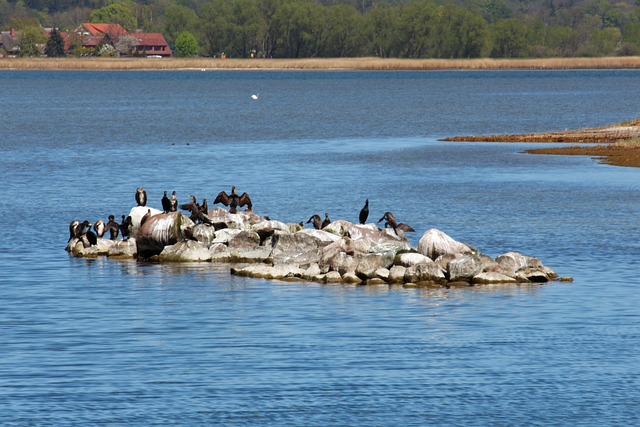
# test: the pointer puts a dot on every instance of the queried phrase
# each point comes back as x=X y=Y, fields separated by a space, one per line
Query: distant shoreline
x=372 y=64
x=617 y=144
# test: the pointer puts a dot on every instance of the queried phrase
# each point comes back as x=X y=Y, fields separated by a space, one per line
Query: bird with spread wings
x=233 y=200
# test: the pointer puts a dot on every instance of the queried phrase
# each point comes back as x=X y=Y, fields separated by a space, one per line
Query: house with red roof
x=91 y=35
x=151 y=44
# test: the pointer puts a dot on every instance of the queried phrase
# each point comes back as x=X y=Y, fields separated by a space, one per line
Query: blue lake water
x=88 y=342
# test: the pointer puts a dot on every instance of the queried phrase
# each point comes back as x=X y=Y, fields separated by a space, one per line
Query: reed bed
x=315 y=64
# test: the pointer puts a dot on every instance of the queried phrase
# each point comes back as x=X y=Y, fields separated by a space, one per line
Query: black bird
x=196 y=211
x=233 y=200
x=166 y=203
x=99 y=228
x=364 y=213
x=73 y=229
x=326 y=221
x=174 y=203
x=113 y=227
x=391 y=220
x=124 y=227
x=145 y=217
x=92 y=239
x=392 y=223
x=141 y=197
x=316 y=220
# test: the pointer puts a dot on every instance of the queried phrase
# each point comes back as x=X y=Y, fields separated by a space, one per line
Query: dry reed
x=315 y=64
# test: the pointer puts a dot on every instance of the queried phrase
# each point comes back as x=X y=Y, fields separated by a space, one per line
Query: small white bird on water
x=255 y=96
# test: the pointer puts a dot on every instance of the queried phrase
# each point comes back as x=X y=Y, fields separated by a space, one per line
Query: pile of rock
x=341 y=252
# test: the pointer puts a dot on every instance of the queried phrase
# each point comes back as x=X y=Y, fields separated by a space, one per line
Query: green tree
x=116 y=13
x=186 y=44
x=178 y=18
x=509 y=38
x=55 y=44
x=30 y=41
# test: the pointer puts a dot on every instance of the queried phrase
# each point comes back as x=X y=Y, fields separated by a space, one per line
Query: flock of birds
x=199 y=211
x=390 y=220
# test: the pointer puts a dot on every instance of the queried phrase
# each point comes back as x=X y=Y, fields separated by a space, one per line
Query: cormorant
x=166 y=203
x=174 y=202
x=196 y=211
x=99 y=228
x=141 y=197
x=392 y=223
x=124 y=227
x=364 y=213
x=326 y=221
x=233 y=200
x=316 y=220
x=391 y=220
x=113 y=227
x=73 y=229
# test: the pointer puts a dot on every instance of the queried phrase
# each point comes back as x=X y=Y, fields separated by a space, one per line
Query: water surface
x=87 y=342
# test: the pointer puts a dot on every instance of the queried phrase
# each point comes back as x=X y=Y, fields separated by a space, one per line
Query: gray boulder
x=136 y=213
x=204 y=234
x=424 y=273
x=186 y=251
x=492 y=278
x=159 y=231
x=123 y=249
x=435 y=243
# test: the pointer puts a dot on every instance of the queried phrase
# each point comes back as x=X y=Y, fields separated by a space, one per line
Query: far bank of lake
x=381 y=64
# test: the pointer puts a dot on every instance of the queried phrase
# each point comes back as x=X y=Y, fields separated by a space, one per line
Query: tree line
x=356 y=28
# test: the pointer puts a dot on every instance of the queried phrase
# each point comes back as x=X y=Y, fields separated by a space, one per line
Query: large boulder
x=136 y=215
x=407 y=259
x=424 y=273
x=242 y=220
x=294 y=248
x=463 y=268
x=123 y=249
x=368 y=264
x=204 y=234
x=244 y=240
x=186 y=251
x=435 y=243
x=159 y=231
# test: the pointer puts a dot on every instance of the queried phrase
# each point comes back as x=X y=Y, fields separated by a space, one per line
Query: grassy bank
x=314 y=64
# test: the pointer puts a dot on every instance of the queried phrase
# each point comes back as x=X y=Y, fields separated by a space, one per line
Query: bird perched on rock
x=90 y=239
x=125 y=227
x=174 y=202
x=391 y=220
x=326 y=221
x=73 y=229
x=166 y=203
x=99 y=228
x=316 y=220
x=141 y=197
x=113 y=227
x=364 y=212
x=197 y=214
x=392 y=223
x=233 y=200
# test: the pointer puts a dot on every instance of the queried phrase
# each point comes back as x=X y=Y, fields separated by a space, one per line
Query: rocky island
x=341 y=252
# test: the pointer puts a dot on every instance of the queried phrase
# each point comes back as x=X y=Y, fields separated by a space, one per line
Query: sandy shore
x=617 y=144
x=315 y=64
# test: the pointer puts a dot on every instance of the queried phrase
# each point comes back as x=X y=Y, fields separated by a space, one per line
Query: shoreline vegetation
x=617 y=144
x=365 y=64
